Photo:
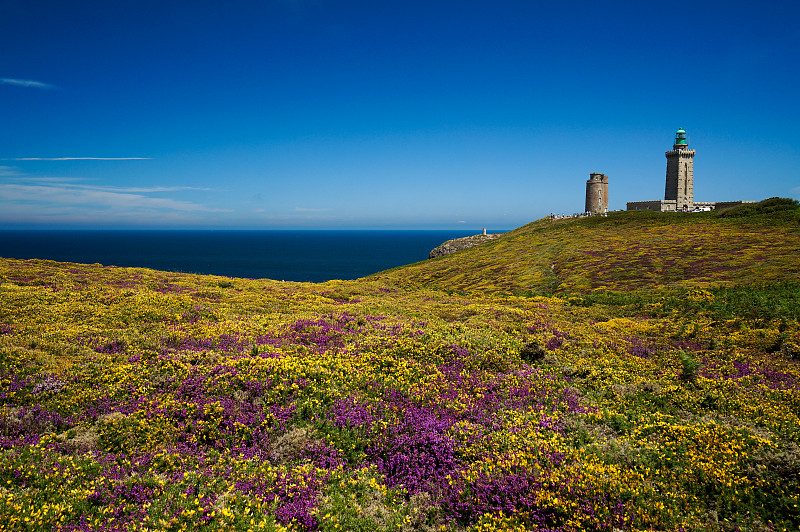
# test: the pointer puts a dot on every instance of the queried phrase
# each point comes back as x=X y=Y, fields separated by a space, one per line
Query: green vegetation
x=767 y=210
x=637 y=372
x=623 y=252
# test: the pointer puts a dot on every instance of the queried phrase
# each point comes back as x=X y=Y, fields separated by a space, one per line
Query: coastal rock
x=457 y=244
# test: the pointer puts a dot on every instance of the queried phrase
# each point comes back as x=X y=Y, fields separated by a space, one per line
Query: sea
x=312 y=256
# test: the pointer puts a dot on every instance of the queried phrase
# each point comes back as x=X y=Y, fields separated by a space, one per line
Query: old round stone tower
x=680 y=173
x=597 y=193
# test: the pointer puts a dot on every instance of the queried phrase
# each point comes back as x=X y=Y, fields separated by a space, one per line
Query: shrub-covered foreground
x=142 y=400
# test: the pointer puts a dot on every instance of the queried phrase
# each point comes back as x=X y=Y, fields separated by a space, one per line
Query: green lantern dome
x=680 y=136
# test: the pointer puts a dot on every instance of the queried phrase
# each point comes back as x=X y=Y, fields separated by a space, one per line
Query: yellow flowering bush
x=132 y=399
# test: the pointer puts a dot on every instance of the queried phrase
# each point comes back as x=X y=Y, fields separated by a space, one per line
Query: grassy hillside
x=132 y=399
x=626 y=250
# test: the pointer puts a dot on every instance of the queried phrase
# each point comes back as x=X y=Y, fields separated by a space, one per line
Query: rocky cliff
x=457 y=244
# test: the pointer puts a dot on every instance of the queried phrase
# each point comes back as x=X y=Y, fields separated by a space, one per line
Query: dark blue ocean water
x=283 y=255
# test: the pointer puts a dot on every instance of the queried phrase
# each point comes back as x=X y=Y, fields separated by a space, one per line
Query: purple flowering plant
x=144 y=400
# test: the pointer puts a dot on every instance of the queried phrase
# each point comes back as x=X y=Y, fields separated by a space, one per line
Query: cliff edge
x=457 y=244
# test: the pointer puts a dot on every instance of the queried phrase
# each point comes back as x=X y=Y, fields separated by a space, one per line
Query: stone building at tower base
x=679 y=189
x=672 y=205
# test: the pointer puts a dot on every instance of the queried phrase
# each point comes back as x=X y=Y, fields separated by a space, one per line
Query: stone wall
x=653 y=205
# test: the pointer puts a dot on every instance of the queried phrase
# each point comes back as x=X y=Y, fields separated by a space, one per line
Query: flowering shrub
x=139 y=400
x=626 y=251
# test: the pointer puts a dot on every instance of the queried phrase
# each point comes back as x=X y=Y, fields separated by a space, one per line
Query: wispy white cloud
x=79 y=159
x=16 y=214
x=62 y=180
x=61 y=194
x=9 y=171
x=12 y=172
x=26 y=199
x=59 y=200
x=26 y=83
x=306 y=209
x=134 y=189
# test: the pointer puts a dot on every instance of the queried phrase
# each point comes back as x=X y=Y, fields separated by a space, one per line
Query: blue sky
x=384 y=114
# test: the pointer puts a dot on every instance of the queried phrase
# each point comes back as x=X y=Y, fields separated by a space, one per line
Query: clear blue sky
x=385 y=114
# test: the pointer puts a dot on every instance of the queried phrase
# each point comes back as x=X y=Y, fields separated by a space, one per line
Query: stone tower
x=680 y=173
x=597 y=194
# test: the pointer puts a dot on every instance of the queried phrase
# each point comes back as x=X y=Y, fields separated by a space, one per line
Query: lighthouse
x=680 y=173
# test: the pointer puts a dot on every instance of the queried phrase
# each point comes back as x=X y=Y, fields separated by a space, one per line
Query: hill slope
x=133 y=399
x=626 y=250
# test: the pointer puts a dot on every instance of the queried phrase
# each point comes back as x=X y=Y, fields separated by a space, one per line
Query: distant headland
x=457 y=244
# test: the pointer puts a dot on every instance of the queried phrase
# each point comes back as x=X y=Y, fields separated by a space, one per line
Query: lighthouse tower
x=680 y=173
